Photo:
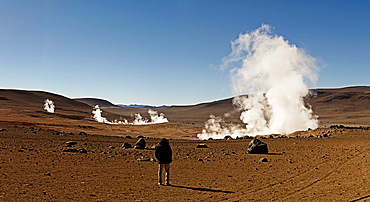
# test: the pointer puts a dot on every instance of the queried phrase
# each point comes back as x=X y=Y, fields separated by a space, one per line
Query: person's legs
x=160 y=168
x=167 y=168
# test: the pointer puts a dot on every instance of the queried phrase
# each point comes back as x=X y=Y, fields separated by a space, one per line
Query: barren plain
x=37 y=164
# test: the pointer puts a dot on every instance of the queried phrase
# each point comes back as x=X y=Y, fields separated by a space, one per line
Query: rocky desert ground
x=67 y=156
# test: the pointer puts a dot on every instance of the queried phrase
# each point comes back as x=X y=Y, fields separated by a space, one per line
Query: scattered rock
x=140 y=144
x=202 y=146
x=71 y=143
x=228 y=137
x=256 y=146
x=2 y=129
x=128 y=137
x=140 y=136
x=70 y=150
x=57 y=133
x=126 y=145
x=82 y=151
x=263 y=160
x=75 y=150
x=146 y=159
x=82 y=133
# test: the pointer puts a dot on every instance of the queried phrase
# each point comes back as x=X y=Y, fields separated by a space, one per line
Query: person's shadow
x=201 y=189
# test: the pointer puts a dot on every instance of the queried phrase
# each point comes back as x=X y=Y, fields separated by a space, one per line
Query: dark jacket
x=163 y=152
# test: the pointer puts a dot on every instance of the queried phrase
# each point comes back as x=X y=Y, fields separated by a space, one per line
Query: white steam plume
x=154 y=118
x=49 y=106
x=139 y=120
x=97 y=115
x=157 y=118
x=272 y=72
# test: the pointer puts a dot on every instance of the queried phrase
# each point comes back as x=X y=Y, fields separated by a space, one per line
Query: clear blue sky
x=168 y=52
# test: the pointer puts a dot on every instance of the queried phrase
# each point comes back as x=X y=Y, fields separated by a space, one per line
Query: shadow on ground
x=362 y=198
x=201 y=189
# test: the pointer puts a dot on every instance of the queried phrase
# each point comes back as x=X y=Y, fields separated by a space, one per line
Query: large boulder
x=256 y=146
x=140 y=144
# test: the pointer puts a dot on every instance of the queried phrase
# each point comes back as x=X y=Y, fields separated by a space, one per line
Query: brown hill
x=95 y=101
x=31 y=103
x=349 y=105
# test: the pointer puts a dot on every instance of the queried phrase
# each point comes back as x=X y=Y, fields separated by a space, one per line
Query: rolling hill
x=350 y=105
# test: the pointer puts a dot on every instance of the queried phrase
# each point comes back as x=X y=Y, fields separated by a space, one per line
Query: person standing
x=163 y=153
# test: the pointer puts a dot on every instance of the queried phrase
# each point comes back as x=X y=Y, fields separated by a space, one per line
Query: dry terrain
x=36 y=163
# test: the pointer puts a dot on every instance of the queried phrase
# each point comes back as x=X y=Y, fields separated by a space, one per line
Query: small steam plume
x=273 y=73
x=97 y=115
x=49 y=106
x=157 y=118
x=139 y=120
x=154 y=118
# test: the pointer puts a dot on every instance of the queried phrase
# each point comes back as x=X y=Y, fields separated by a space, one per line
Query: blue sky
x=168 y=52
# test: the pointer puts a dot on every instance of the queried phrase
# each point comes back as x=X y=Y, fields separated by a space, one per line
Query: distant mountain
x=143 y=106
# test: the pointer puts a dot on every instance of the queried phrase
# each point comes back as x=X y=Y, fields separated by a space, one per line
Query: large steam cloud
x=272 y=73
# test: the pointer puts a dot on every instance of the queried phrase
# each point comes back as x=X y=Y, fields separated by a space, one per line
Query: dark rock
x=70 y=143
x=75 y=150
x=70 y=150
x=82 y=133
x=256 y=146
x=140 y=136
x=126 y=145
x=202 y=146
x=2 y=129
x=228 y=137
x=146 y=159
x=128 y=137
x=82 y=151
x=140 y=144
x=263 y=160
